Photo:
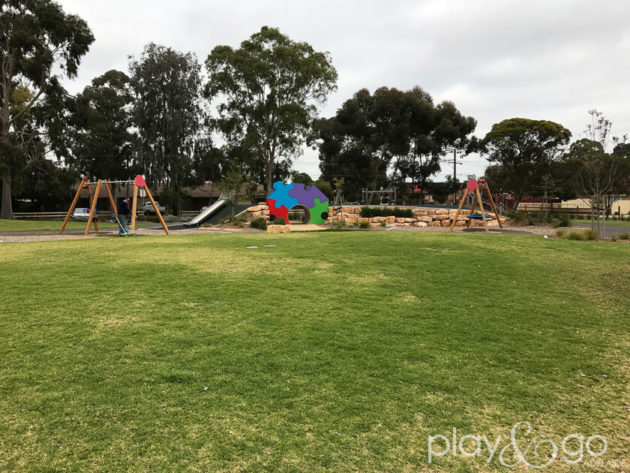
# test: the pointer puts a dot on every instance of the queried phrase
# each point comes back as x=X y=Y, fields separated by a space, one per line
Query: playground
x=325 y=351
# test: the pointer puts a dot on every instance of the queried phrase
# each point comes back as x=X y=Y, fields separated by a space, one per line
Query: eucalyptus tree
x=266 y=94
x=39 y=45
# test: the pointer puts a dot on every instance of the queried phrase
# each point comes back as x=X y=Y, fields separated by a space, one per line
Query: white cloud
x=495 y=59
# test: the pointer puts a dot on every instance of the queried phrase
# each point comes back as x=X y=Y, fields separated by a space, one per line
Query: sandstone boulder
x=278 y=228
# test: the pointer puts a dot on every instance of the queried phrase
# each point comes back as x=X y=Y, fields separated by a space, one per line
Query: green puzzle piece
x=317 y=210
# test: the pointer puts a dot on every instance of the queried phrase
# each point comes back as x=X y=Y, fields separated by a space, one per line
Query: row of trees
x=248 y=112
x=534 y=158
x=390 y=137
x=243 y=118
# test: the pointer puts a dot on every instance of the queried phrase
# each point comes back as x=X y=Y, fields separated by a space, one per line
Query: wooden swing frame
x=473 y=185
x=138 y=182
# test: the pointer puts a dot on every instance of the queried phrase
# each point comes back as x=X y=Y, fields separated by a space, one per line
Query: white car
x=80 y=214
x=147 y=208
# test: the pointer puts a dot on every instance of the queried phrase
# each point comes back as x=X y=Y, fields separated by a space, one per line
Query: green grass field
x=609 y=223
x=333 y=351
x=50 y=225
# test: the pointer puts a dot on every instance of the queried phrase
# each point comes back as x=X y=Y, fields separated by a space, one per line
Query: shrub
x=582 y=235
x=383 y=224
x=259 y=223
x=368 y=212
x=624 y=236
x=364 y=225
x=278 y=221
x=564 y=221
x=520 y=218
x=239 y=221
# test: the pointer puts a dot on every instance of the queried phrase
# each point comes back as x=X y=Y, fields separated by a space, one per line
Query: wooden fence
x=62 y=215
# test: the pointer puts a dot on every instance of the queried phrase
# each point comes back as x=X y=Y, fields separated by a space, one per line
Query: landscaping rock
x=278 y=229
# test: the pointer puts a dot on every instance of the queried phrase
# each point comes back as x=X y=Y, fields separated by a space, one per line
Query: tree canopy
x=102 y=143
x=168 y=115
x=525 y=150
x=266 y=93
x=39 y=44
x=403 y=130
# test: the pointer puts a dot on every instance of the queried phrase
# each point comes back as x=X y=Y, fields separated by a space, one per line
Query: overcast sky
x=496 y=59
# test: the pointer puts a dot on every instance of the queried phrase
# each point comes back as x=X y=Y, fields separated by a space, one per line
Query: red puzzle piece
x=278 y=212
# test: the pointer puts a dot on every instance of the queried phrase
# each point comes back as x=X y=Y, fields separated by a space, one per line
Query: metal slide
x=206 y=214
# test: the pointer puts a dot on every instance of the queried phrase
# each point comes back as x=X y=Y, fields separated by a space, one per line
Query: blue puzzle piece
x=281 y=195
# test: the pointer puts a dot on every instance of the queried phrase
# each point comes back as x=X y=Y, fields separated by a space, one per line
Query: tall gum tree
x=168 y=115
x=524 y=149
x=267 y=93
x=39 y=44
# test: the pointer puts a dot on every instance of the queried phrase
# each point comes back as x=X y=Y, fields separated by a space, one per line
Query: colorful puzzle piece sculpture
x=286 y=196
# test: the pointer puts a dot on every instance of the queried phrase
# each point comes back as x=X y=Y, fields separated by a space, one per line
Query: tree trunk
x=6 y=209
x=269 y=164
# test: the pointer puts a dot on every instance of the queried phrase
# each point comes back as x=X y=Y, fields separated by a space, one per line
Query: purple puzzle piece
x=306 y=195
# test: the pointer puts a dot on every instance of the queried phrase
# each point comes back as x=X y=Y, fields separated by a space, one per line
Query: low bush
x=364 y=225
x=239 y=221
x=520 y=218
x=259 y=223
x=579 y=235
x=526 y=218
x=278 y=221
x=583 y=235
x=563 y=221
x=383 y=224
x=624 y=236
x=368 y=212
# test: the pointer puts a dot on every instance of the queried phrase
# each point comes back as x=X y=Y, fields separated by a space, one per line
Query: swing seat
x=478 y=217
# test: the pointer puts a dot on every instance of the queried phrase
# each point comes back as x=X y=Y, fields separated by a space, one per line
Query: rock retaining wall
x=422 y=217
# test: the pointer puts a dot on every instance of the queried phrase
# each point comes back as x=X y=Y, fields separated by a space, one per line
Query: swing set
x=473 y=185
x=94 y=189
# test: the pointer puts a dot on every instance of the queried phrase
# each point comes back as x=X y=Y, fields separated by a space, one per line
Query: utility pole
x=455 y=164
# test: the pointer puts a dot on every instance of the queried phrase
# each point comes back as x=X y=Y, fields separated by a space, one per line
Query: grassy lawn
x=609 y=223
x=328 y=352
x=54 y=225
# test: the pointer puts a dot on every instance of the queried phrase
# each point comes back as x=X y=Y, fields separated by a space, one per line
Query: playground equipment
x=388 y=194
x=206 y=214
x=286 y=196
x=473 y=185
x=138 y=182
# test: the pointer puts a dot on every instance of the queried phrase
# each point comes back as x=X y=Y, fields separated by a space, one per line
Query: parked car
x=147 y=208
x=80 y=214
